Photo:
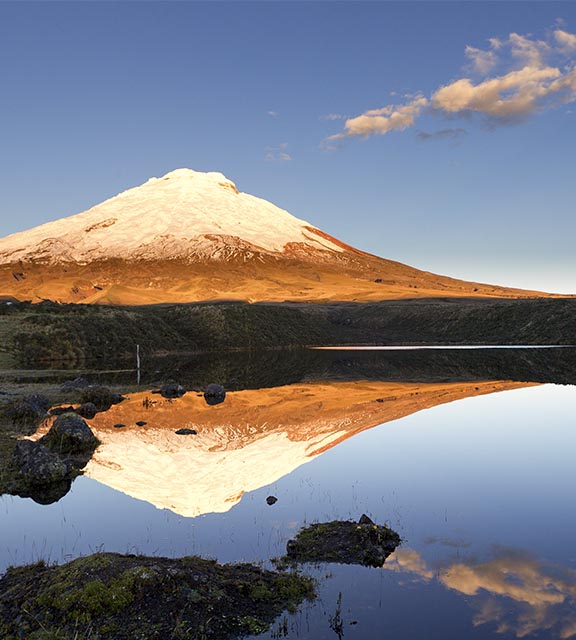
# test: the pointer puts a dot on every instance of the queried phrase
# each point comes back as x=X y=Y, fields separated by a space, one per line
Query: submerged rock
x=214 y=394
x=270 y=500
x=344 y=542
x=126 y=597
x=70 y=435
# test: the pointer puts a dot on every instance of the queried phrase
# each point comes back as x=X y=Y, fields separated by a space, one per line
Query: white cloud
x=534 y=75
x=381 y=121
x=273 y=114
x=513 y=95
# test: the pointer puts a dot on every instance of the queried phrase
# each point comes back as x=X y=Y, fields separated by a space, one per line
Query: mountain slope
x=191 y=236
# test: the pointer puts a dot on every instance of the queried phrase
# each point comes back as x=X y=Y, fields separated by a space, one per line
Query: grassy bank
x=73 y=336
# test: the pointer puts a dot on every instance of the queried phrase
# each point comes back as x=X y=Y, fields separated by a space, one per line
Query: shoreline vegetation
x=68 y=336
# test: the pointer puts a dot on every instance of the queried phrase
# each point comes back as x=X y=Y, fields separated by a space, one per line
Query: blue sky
x=332 y=110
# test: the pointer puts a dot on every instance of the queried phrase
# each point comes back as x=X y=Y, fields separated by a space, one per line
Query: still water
x=469 y=457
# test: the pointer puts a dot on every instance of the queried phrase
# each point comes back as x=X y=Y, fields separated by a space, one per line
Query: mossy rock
x=70 y=434
x=124 y=597
x=344 y=542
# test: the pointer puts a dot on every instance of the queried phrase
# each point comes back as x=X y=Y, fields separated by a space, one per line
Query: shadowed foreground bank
x=76 y=335
x=112 y=596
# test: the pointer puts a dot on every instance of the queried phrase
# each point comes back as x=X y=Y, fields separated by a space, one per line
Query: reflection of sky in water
x=481 y=490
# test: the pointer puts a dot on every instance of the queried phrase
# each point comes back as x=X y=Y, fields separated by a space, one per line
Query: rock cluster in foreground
x=44 y=470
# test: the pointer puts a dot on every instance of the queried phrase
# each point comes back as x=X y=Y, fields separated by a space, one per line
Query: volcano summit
x=191 y=236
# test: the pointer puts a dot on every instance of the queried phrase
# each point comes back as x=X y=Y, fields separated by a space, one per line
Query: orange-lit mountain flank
x=192 y=236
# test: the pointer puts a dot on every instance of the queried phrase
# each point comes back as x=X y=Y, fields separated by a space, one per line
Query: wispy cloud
x=566 y=41
x=332 y=116
x=483 y=61
x=443 y=134
x=277 y=154
x=506 y=82
x=273 y=114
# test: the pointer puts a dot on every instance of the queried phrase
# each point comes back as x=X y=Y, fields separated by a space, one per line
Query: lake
x=467 y=454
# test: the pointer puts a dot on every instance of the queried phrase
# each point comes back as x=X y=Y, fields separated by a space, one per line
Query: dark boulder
x=70 y=435
x=87 y=410
x=141 y=423
x=30 y=409
x=172 y=390
x=270 y=500
x=214 y=394
x=101 y=397
x=186 y=432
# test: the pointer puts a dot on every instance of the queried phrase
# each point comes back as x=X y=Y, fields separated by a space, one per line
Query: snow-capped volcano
x=171 y=217
x=190 y=236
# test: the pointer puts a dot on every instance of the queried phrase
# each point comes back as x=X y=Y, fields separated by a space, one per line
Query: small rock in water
x=141 y=423
x=101 y=397
x=186 y=432
x=271 y=500
x=214 y=394
x=172 y=390
x=344 y=542
x=87 y=410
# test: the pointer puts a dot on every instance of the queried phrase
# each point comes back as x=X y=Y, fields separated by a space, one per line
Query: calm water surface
x=476 y=473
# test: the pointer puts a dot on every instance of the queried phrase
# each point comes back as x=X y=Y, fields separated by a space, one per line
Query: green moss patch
x=343 y=542
x=109 y=595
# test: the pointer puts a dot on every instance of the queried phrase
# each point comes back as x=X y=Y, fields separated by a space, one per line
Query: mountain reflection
x=513 y=590
x=251 y=440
